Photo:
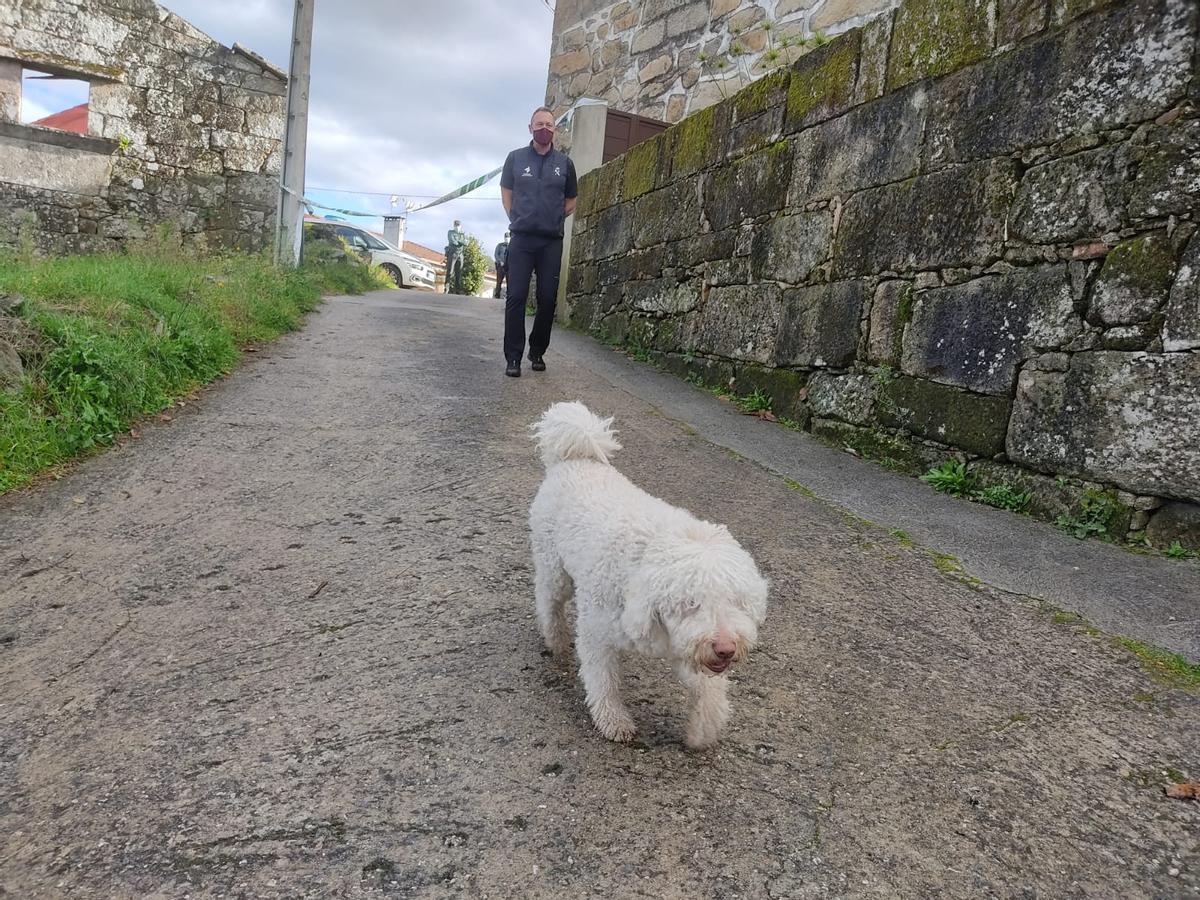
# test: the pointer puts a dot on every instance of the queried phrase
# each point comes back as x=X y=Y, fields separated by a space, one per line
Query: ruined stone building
x=664 y=59
x=176 y=130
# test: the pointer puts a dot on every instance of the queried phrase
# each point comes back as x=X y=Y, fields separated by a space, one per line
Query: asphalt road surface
x=282 y=645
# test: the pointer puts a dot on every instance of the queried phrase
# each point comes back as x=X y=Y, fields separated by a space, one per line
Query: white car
x=404 y=268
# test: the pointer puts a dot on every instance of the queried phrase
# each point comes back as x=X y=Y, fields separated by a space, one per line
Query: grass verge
x=1165 y=666
x=106 y=340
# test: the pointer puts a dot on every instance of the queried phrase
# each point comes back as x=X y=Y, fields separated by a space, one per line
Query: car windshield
x=374 y=243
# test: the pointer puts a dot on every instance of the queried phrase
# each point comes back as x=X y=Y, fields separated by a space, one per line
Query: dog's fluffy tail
x=572 y=431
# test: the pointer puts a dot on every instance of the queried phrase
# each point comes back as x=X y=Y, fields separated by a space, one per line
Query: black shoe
x=513 y=370
x=537 y=363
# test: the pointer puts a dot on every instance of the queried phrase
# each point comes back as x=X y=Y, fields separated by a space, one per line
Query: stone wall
x=183 y=132
x=665 y=59
x=978 y=242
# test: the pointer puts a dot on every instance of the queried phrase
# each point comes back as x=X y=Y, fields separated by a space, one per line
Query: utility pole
x=290 y=224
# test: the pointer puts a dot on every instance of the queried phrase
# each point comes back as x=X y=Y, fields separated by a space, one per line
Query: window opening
x=54 y=101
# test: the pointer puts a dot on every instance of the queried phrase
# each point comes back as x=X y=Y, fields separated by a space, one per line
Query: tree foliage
x=475 y=266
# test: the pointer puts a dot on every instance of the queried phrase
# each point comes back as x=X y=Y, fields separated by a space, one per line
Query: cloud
x=413 y=98
x=32 y=111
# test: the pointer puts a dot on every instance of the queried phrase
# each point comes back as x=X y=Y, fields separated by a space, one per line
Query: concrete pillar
x=10 y=90
x=290 y=224
x=587 y=153
x=394 y=228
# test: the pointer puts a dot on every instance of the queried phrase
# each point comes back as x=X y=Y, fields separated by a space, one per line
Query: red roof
x=422 y=252
x=73 y=119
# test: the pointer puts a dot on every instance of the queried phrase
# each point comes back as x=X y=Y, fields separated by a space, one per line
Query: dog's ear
x=639 y=614
x=753 y=599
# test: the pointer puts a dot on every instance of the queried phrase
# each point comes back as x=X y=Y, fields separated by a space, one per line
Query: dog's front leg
x=709 y=707
x=600 y=669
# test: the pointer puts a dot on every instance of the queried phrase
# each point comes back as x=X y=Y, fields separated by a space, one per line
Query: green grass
x=1163 y=665
x=946 y=563
x=107 y=340
x=799 y=488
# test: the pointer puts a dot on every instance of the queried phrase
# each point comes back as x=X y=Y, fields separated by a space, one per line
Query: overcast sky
x=413 y=97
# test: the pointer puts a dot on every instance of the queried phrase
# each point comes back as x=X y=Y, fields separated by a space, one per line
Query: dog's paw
x=617 y=728
x=558 y=643
x=700 y=739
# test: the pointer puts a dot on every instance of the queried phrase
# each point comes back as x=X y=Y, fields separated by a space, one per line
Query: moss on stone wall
x=691 y=142
x=935 y=37
x=874 y=444
x=1145 y=261
x=762 y=95
x=69 y=65
x=587 y=194
x=784 y=387
x=641 y=168
x=822 y=83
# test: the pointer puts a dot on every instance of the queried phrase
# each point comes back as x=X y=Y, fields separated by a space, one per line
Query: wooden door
x=623 y=130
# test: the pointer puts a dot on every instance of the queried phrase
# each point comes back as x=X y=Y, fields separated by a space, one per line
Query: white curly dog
x=646 y=576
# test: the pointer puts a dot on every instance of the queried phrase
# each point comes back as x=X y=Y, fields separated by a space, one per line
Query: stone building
x=664 y=59
x=181 y=132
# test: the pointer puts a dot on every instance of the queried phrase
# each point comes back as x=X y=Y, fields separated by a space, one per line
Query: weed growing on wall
x=1095 y=515
x=756 y=401
x=731 y=68
x=1002 y=496
x=951 y=477
x=1178 y=551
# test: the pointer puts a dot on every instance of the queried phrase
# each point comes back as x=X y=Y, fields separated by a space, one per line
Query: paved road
x=282 y=646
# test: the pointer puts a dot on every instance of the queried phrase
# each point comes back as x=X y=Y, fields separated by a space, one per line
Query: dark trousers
x=454 y=273
x=528 y=254
x=501 y=271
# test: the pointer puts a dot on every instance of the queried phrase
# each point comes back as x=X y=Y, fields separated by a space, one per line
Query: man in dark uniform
x=538 y=189
x=456 y=243
x=501 y=259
